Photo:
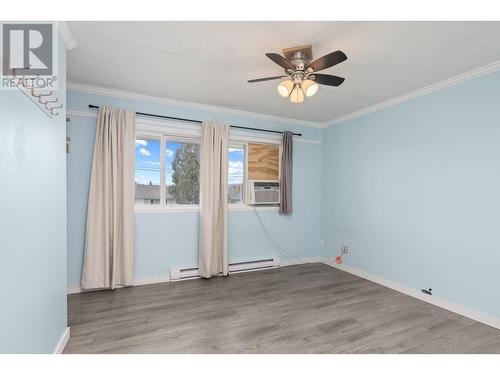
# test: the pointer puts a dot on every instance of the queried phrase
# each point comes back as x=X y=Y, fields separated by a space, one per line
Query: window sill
x=166 y=209
x=191 y=209
x=244 y=207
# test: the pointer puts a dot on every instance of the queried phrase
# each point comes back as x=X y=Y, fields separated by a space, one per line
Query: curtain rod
x=199 y=121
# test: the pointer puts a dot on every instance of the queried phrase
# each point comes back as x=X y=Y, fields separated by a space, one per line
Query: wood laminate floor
x=311 y=308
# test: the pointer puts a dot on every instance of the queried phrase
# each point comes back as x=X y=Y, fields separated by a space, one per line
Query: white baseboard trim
x=166 y=278
x=437 y=301
x=74 y=290
x=137 y=282
x=152 y=280
x=62 y=341
x=278 y=262
x=294 y=262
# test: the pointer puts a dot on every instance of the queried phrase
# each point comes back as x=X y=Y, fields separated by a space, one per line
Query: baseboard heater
x=178 y=273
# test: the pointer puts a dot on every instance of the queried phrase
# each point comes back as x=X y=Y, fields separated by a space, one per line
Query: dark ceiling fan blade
x=327 y=79
x=265 y=79
x=280 y=60
x=327 y=61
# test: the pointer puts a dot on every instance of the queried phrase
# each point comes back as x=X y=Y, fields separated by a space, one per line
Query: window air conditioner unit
x=263 y=192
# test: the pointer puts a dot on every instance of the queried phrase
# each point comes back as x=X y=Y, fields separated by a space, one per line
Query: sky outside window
x=147 y=161
x=236 y=163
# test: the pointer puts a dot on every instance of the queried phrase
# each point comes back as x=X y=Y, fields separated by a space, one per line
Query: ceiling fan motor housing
x=299 y=53
x=299 y=60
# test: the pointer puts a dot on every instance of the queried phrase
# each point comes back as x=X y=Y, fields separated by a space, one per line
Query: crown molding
x=95 y=90
x=487 y=69
x=69 y=40
x=156 y=123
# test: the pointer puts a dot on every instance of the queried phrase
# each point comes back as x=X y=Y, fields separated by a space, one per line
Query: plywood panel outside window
x=263 y=161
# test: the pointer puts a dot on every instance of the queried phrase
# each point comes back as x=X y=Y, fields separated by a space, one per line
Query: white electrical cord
x=273 y=241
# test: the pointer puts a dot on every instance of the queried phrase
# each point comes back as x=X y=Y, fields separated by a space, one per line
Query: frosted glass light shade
x=297 y=95
x=285 y=88
x=310 y=87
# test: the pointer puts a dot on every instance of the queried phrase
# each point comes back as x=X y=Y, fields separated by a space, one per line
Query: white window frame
x=153 y=137
x=178 y=207
x=173 y=131
x=244 y=206
x=244 y=145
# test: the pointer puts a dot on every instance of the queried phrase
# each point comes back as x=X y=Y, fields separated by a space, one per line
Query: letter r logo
x=27 y=49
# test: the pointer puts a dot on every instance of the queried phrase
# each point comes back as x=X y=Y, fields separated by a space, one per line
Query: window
x=167 y=171
x=182 y=161
x=250 y=161
x=263 y=161
x=236 y=174
x=147 y=171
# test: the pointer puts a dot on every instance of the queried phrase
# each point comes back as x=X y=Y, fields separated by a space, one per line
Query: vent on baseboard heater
x=178 y=273
x=263 y=192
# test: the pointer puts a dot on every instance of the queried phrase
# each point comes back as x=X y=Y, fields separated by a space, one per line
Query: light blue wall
x=32 y=223
x=171 y=239
x=414 y=191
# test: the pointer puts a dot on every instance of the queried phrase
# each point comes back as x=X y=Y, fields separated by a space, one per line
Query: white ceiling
x=210 y=62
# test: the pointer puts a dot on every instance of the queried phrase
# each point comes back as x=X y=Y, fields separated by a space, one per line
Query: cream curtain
x=109 y=240
x=213 y=251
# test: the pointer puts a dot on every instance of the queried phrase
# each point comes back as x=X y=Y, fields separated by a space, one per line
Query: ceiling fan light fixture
x=297 y=95
x=301 y=77
x=285 y=88
x=310 y=87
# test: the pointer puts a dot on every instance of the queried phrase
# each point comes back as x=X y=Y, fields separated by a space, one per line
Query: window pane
x=147 y=171
x=263 y=161
x=235 y=175
x=182 y=161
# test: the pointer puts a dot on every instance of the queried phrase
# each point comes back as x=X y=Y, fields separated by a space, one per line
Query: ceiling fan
x=301 y=77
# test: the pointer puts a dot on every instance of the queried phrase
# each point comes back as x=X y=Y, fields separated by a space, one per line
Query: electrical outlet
x=344 y=249
x=322 y=242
